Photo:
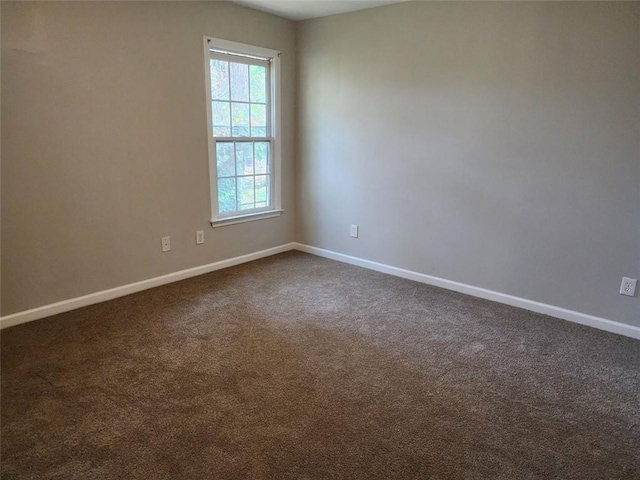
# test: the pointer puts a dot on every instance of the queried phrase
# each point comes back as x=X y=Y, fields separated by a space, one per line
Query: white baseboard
x=551 y=310
x=97 y=297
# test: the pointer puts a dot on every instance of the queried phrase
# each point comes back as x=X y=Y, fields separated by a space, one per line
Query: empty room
x=356 y=239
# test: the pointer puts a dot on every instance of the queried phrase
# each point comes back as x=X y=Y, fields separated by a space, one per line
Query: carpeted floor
x=298 y=367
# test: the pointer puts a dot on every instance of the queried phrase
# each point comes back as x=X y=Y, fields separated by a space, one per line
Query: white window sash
x=267 y=57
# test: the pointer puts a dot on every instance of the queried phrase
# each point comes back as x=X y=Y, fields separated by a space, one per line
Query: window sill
x=250 y=217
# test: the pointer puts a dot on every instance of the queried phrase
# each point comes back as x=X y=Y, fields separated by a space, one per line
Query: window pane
x=225 y=159
x=262 y=190
x=268 y=189
x=221 y=124
x=239 y=81
x=240 y=119
x=226 y=195
x=262 y=157
x=244 y=158
x=258 y=120
x=258 y=77
x=245 y=193
x=219 y=80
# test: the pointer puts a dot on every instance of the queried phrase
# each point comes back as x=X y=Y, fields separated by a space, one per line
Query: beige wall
x=104 y=143
x=494 y=144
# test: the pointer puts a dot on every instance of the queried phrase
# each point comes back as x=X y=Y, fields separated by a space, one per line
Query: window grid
x=261 y=182
x=216 y=56
x=256 y=174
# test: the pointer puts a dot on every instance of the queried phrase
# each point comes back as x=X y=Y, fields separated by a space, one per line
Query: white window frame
x=274 y=136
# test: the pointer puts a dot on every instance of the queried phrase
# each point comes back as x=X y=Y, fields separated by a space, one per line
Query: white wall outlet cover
x=628 y=286
x=166 y=244
x=200 y=237
x=354 y=231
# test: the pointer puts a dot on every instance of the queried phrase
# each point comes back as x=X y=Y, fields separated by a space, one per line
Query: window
x=243 y=115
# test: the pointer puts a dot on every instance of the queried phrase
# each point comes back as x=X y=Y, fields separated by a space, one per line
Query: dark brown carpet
x=298 y=367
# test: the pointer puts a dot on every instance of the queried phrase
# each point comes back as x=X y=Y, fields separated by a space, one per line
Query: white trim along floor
x=97 y=297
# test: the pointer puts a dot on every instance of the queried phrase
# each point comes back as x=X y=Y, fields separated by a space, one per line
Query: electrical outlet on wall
x=199 y=237
x=354 y=231
x=628 y=286
x=166 y=244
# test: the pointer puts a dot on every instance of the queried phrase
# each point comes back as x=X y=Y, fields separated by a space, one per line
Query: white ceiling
x=305 y=9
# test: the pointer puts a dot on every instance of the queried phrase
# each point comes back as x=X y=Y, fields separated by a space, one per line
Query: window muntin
x=242 y=127
x=244 y=176
x=240 y=96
